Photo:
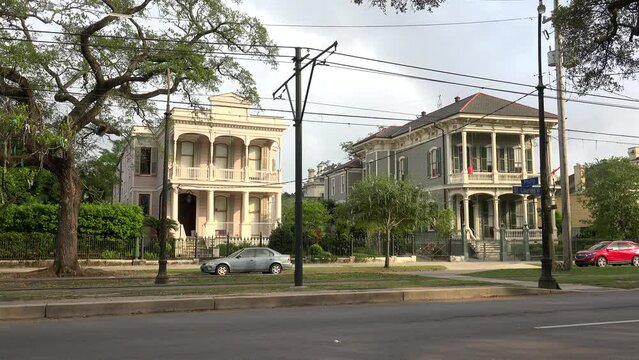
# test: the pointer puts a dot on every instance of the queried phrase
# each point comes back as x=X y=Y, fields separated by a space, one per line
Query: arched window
x=221 y=156
x=186 y=154
x=255 y=157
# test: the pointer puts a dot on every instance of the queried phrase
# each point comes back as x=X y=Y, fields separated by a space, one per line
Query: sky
x=504 y=50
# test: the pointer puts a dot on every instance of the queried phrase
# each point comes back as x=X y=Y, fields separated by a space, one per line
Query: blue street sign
x=527 y=190
x=530 y=182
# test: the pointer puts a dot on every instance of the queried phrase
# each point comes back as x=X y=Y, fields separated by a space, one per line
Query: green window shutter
x=137 y=155
x=405 y=168
x=438 y=153
x=429 y=162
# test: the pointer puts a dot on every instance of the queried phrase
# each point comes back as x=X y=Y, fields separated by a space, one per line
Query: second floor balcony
x=488 y=178
x=211 y=173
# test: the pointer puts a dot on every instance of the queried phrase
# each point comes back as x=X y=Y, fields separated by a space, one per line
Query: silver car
x=249 y=260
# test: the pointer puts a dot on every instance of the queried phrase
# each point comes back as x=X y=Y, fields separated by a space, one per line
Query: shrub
x=282 y=240
x=233 y=247
x=110 y=254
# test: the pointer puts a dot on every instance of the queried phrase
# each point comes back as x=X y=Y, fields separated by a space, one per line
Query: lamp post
x=162 y=277
x=546 y=281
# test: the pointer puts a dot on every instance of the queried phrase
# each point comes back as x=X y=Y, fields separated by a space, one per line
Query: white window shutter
x=137 y=155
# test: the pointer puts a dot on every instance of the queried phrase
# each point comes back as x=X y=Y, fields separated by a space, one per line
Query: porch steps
x=484 y=250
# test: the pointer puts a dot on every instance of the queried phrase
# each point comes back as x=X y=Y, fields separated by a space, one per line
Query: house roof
x=477 y=104
x=354 y=163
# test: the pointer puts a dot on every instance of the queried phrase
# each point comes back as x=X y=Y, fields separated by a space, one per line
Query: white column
x=278 y=207
x=524 y=203
x=211 y=154
x=522 y=144
x=245 y=162
x=174 y=204
x=496 y=224
x=209 y=227
x=446 y=161
x=466 y=213
x=464 y=159
x=246 y=227
x=536 y=215
x=475 y=216
x=493 y=150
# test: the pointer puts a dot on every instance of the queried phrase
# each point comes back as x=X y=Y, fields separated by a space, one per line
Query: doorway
x=186 y=212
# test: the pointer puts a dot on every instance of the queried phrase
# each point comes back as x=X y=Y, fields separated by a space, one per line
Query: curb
x=58 y=310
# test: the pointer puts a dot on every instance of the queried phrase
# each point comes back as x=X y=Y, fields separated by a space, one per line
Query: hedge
x=28 y=246
x=117 y=222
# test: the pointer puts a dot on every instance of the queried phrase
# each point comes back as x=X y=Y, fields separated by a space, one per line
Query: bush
x=110 y=254
x=282 y=240
x=101 y=220
x=317 y=254
x=233 y=247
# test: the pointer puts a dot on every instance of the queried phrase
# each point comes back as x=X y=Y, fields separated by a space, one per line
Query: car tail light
x=289 y=258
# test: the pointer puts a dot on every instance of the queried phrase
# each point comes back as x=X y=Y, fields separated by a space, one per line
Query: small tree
x=612 y=196
x=315 y=217
x=387 y=205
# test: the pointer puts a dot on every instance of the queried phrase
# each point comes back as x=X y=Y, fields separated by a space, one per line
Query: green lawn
x=193 y=282
x=621 y=277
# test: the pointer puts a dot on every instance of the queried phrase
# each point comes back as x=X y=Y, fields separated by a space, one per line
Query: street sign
x=530 y=182
x=527 y=190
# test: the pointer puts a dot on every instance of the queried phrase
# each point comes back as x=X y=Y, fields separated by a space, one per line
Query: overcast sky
x=502 y=50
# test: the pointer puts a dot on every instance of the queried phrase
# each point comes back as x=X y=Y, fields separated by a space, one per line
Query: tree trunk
x=388 y=240
x=66 y=254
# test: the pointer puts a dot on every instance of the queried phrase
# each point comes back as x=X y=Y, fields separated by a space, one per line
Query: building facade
x=338 y=182
x=469 y=155
x=224 y=170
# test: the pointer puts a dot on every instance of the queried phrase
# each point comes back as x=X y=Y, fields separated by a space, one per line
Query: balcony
x=487 y=178
x=210 y=173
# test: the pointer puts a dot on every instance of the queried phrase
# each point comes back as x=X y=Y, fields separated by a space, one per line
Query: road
x=555 y=326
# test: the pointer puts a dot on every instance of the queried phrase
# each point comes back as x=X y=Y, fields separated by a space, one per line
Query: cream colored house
x=224 y=170
x=469 y=155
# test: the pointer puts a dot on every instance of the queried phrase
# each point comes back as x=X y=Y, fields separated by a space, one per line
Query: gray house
x=469 y=154
x=339 y=181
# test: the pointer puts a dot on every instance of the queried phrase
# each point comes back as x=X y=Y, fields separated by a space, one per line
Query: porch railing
x=505 y=177
x=263 y=228
x=263 y=176
x=481 y=177
x=192 y=173
x=228 y=174
x=224 y=229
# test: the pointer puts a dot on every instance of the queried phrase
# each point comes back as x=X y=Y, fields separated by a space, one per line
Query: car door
x=263 y=259
x=243 y=261
x=626 y=252
x=613 y=253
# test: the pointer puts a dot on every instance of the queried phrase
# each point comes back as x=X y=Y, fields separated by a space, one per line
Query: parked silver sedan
x=249 y=260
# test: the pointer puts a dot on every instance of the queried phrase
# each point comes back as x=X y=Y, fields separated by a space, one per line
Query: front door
x=186 y=212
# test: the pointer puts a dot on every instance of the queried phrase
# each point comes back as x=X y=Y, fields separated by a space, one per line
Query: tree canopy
x=402 y=5
x=388 y=205
x=598 y=41
x=613 y=200
x=76 y=70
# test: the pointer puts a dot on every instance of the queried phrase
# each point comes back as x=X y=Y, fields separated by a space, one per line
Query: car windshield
x=599 y=246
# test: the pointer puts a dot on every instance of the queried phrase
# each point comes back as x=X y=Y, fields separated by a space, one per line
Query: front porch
x=215 y=213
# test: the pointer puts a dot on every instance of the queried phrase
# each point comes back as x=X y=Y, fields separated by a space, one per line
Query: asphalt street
x=566 y=326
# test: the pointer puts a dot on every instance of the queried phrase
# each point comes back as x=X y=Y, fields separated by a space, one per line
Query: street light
x=162 y=277
x=546 y=281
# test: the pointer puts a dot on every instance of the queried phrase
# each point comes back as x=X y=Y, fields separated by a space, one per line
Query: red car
x=609 y=252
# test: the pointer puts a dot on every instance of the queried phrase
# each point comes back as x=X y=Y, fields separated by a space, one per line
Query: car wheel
x=275 y=268
x=635 y=261
x=222 y=270
x=602 y=262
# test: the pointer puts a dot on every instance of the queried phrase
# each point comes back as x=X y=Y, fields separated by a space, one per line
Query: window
x=146 y=161
x=144 y=200
x=402 y=168
x=254 y=210
x=517 y=158
x=221 y=156
x=529 y=160
x=186 y=154
x=371 y=166
x=220 y=207
x=489 y=158
x=332 y=186
x=343 y=184
x=255 y=157
x=434 y=162
x=263 y=253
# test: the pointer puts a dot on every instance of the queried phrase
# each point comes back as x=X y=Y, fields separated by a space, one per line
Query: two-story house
x=469 y=155
x=224 y=169
x=339 y=181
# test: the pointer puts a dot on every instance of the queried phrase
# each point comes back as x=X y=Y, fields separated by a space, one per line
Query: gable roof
x=477 y=104
x=351 y=164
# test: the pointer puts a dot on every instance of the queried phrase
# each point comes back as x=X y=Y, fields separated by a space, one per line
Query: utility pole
x=546 y=281
x=298 y=114
x=566 y=233
x=162 y=277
